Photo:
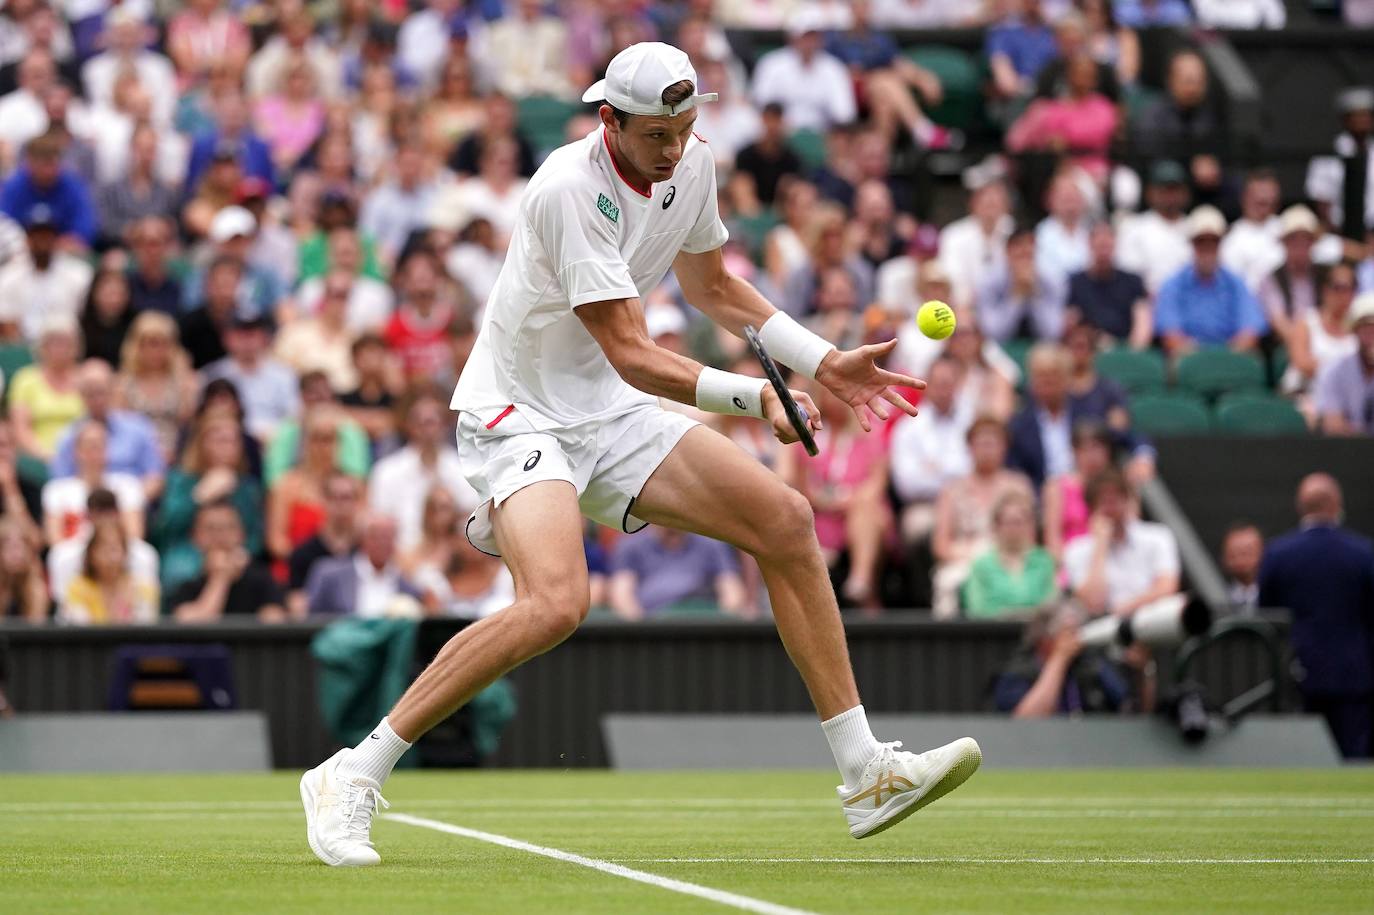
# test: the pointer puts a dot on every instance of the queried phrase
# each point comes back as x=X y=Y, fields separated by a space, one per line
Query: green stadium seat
x=753 y=229
x=1139 y=372
x=1019 y=351
x=13 y=357
x=962 y=76
x=1210 y=373
x=809 y=145
x=31 y=469
x=1248 y=414
x=1164 y=415
x=542 y=120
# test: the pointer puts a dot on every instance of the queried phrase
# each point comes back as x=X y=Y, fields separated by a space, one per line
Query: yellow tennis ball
x=935 y=319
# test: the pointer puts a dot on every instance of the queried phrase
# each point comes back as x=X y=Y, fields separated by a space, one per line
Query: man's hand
x=854 y=377
x=1066 y=645
x=777 y=416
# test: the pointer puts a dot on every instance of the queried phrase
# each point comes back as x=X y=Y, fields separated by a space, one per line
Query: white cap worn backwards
x=637 y=76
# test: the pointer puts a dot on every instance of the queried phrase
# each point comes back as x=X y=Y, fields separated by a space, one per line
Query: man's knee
x=783 y=526
x=557 y=610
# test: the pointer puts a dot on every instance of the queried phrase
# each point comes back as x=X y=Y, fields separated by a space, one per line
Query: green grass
x=236 y=844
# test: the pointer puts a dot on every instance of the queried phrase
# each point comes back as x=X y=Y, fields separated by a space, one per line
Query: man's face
x=1205 y=254
x=341 y=500
x=1360 y=123
x=942 y=384
x=42 y=242
x=1113 y=504
x=425 y=425
x=44 y=168
x=1240 y=556
x=652 y=145
x=221 y=287
x=1261 y=200
x=94 y=388
x=1364 y=335
x=990 y=203
x=1049 y=382
x=150 y=244
x=1297 y=247
x=246 y=343
x=379 y=541
x=1168 y=199
x=90 y=449
x=219 y=529
x=836 y=292
x=1102 y=245
x=1188 y=81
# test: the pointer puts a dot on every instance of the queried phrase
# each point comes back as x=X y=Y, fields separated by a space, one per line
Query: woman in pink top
x=1063 y=501
x=290 y=120
x=202 y=36
x=846 y=484
x=1081 y=123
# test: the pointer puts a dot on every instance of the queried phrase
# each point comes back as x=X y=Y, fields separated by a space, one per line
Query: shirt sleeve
x=1251 y=316
x=1328 y=393
x=1167 y=317
x=708 y=233
x=579 y=239
x=1076 y=556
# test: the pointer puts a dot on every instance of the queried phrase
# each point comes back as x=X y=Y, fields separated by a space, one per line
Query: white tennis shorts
x=607 y=462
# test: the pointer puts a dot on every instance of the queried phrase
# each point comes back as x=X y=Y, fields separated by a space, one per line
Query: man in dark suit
x=366 y=584
x=1324 y=574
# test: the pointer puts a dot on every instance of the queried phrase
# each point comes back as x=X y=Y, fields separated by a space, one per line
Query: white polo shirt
x=1148 y=551
x=582 y=235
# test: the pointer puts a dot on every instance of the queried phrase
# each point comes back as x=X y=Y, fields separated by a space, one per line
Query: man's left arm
x=1251 y=320
x=851 y=375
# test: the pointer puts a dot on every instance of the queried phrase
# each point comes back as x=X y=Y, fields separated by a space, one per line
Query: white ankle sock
x=376 y=756
x=852 y=742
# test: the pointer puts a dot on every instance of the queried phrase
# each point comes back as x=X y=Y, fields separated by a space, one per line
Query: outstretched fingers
x=900 y=402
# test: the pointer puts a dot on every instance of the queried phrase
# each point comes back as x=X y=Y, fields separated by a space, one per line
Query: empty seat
x=1243 y=414
x=1210 y=373
x=1163 y=415
x=1139 y=372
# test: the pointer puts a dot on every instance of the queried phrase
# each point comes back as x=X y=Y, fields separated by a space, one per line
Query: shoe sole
x=308 y=801
x=959 y=771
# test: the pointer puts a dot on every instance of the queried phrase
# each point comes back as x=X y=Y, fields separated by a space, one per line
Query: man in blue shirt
x=1324 y=574
x=232 y=138
x=1018 y=48
x=43 y=180
x=1204 y=304
x=666 y=568
x=1145 y=14
x=131 y=442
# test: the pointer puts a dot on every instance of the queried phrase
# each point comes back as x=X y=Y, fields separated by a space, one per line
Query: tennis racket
x=796 y=414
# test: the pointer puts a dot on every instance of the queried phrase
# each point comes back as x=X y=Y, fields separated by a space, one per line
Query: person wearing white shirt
x=930 y=450
x=813 y=87
x=422 y=43
x=401 y=481
x=732 y=123
x=920 y=14
x=41 y=281
x=1241 y=14
x=494 y=192
x=1122 y=563
x=1251 y=247
x=1061 y=238
x=367 y=585
x=126 y=49
x=975 y=247
x=66 y=556
x=23 y=115
x=1155 y=243
x=65 y=499
x=525 y=52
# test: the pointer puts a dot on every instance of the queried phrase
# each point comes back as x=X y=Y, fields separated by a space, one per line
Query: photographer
x=1053 y=674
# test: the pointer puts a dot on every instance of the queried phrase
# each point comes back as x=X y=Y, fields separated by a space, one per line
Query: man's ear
x=607 y=115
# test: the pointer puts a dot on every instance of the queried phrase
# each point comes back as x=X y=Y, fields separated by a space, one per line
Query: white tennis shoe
x=338 y=815
x=896 y=784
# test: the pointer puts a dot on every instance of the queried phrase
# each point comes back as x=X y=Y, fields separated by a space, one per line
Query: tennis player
x=560 y=418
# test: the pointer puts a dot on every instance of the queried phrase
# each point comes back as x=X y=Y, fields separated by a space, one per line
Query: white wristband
x=729 y=393
x=793 y=345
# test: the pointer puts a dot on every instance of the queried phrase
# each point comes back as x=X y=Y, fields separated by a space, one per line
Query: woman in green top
x=1015 y=574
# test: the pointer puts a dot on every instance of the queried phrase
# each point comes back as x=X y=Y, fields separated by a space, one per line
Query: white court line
x=734 y=900
x=956 y=860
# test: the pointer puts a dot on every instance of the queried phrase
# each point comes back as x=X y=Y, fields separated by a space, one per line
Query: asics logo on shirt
x=668 y=197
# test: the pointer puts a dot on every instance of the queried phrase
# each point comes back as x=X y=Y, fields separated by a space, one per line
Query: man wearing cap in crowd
x=269 y=390
x=1345 y=388
x=1341 y=184
x=42 y=179
x=43 y=280
x=1290 y=291
x=1204 y=304
x=559 y=418
x=1154 y=243
x=975 y=246
x=813 y=87
x=233 y=233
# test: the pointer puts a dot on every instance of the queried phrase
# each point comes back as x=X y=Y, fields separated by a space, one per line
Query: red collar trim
x=615 y=165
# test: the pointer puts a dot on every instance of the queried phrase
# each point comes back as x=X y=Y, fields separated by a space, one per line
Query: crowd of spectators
x=245 y=248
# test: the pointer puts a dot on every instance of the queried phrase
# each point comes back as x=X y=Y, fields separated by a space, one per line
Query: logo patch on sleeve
x=607 y=208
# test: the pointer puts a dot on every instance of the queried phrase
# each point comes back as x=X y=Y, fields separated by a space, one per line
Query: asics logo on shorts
x=532 y=460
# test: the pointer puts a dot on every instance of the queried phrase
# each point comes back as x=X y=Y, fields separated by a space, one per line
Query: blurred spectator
x=1154 y=243
x=1327 y=175
x=401 y=481
x=524 y=52
x=139 y=167
x=813 y=87
x=204 y=34
x=44 y=281
x=923 y=14
x=1110 y=41
x=371 y=403
x=155 y=378
x=368 y=584
x=233 y=233
x=324 y=342
x=475 y=261
x=1018 y=46
x=212 y=192
x=1063 y=498
x=294 y=45
x=23 y=592
x=64 y=499
x=1021 y=300
x=493 y=193
x=1014 y=574
x=369 y=299
x=152 y=287
x=876 y=230
x=336 y=538
x=21 y=500
x=285 y=450
x=498 y=122
x=475 y=585
x=418 y=330
x=1204 y=304
x=397 y=207
x=1183 y=124
x=1075 y=37
x=127 y=40
x=106 y=316
x=430 y=555
x=423 y=39
x=1107 y=298
x=1323 y=336
x=929 y=451
x=213 y=468
x=732 y=122
x=1144 y=14
x=1290 y=292
x=770 y=157
x=837 y=316
x=915 y=351
x=231 y=147
x=1040 y=435
x=138 y=191
x=295 y=508
x=785 y=248
x=43 y=400
x=1122 y=563
x=1061 y=238
x=453 y=111
x=110 y=589
x=131 y=442
x=1251 y=247
x=1324 y=574
x=23 y=115
x=1053 y=675
x=990 y=375
x=1242 y=548
x=233 y=584
x=267 y=388
x=1081 y=122
x=974 y=246
x=291 y=118
x=963 y=512
x=1090 y=394
x=889 y=82
x=667 y=570
x=1345 y=389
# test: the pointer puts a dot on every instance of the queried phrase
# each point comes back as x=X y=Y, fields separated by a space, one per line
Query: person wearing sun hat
x=1204 y=304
